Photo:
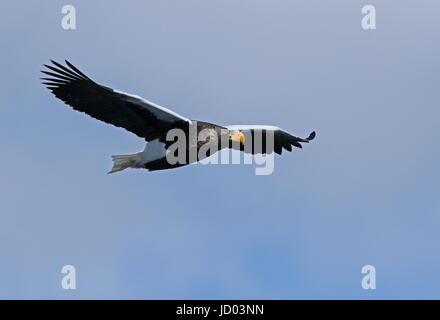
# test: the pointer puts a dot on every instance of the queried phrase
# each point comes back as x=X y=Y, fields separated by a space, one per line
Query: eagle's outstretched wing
x=259 y=133
x=137 y=115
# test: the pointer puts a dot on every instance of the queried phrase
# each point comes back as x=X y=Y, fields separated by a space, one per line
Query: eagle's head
x=236 y=136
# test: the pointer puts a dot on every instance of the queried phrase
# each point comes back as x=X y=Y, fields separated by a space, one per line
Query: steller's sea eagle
x=152 y=123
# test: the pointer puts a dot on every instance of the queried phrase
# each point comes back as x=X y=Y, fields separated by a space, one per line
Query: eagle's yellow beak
x=237 y=136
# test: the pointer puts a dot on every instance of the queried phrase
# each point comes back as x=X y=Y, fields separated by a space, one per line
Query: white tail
x=122 y=162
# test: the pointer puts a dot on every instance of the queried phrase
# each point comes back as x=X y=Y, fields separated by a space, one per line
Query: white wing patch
x=251 y=127
x=160 y=112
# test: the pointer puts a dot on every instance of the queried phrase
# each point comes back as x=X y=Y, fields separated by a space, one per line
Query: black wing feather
x=282 y=140
x=288 y=140
x=83 y=94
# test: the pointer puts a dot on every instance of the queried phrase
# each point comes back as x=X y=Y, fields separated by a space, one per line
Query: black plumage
x=106 y=104
x=152 y=122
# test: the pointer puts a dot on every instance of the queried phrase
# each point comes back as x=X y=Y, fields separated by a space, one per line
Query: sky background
x=366 y=191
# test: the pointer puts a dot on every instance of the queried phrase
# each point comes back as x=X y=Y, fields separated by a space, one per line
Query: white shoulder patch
x=160 y=112
x=251 y=127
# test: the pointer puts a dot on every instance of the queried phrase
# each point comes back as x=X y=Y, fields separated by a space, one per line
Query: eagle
x=154 y=123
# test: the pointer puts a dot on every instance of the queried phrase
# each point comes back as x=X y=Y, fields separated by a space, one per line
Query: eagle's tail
x=121 y=162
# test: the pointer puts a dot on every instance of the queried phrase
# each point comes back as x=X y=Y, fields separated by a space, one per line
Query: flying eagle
x=152 y=123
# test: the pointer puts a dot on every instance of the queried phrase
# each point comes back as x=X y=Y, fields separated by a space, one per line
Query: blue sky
x=364 y=192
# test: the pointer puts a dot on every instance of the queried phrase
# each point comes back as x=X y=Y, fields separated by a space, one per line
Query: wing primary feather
x=58 y=76
x=72 y=77
x=75 y=77
x=311 y=136
x=77 y=70
x=51 y=84
x=288 y=147
x=67 y=70
x=297 y=144
x=55 y=80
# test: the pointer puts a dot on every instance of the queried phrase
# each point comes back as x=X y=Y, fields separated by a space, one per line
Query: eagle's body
x=153 y=157
x=155 y=123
